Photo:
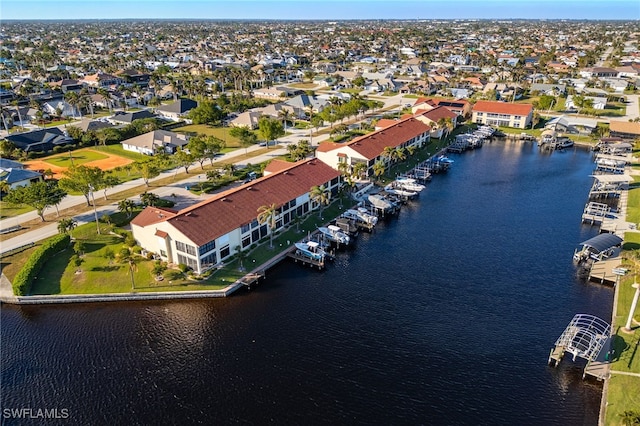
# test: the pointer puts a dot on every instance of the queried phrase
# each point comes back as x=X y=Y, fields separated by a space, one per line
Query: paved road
x=176 y=192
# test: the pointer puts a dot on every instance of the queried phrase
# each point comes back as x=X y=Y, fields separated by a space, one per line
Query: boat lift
x=584 y=337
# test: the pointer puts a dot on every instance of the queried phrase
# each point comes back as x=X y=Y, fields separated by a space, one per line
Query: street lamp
x=627 y=326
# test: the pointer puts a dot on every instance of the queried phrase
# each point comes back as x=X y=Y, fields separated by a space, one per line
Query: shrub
x=24 y=278
x=129 y=240
x=137 y=249
x=183 y=268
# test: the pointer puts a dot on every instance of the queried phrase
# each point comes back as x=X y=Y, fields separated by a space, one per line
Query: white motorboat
x=334 y=233
x=410 y=184
x=398 y=190
x=444 y=159
x=361 y=216
x=380 y=202
x=311 y=249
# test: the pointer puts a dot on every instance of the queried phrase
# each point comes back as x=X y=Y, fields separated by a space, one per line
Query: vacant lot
x=219 y=132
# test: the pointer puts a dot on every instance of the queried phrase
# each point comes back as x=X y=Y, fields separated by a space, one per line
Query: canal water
x=444 y=315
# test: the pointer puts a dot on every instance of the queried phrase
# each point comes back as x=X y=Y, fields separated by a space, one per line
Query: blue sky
x=314 y=9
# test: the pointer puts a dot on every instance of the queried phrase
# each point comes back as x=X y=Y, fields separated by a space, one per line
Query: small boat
x=444 y=159
x=562 y=143
x=380 y=202
x=310 y=249
x=361 y=215
x=335 y=234
x=409 y=184
x=398 y=190
x=348 y=226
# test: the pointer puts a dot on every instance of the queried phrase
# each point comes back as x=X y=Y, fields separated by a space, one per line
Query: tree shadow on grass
x=49 y=277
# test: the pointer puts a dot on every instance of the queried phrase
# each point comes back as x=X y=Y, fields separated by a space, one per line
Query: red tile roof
x=152 y=215
x=276 y=166
x=385 y=122
x=503 y=108
x=371 y=146
x=437 y=113
x=219 y=215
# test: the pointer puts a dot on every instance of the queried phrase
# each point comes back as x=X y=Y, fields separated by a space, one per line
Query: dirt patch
x=111 y=162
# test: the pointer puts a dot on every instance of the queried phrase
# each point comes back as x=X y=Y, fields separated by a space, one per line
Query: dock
x=595 y=213
x=587 y=337
x=604 y=271
x=306 y=260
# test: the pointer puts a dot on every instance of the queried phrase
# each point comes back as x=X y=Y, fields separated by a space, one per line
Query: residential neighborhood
x=381 y=197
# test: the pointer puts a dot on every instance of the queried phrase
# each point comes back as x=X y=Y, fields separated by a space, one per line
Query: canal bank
x=441 y=312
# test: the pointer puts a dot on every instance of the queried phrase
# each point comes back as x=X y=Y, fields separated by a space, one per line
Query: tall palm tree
x=285 y=115
x=16 y=103
x=378 y=169
x=320 y=195
x=389 y=154
x=359 y=169
x=267 y=214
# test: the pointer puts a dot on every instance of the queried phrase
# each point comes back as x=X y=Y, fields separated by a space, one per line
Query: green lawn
x=117 y=149
x=219 y=132
x=75 y=158
x=620 y=398
x=9 y=210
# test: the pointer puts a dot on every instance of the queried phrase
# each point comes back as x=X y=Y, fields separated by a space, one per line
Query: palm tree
x=126 y=206
x=389 y=154
x=15 y=103
x=359 y=169
x=285 y=115
x=65 y=226
x=241 y=256
x=267 y=214
x=378 y=169
x=320 y=195
x=4 y=186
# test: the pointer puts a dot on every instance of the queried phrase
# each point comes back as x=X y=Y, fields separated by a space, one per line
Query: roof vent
x=188 y=214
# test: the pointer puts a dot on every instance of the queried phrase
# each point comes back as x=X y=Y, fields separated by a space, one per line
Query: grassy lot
x=219 y=132
x=626 y=357
x=75 y=158
x=117 y=149
x=304 y=86
x=10 y=265
x=9 y=210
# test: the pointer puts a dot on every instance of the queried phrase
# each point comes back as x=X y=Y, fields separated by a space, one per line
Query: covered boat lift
x=609 y=185
x=584 y=337
x=598 y=248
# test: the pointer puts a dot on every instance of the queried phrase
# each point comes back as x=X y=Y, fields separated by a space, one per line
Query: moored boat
x=310 y=249
x=335 y=234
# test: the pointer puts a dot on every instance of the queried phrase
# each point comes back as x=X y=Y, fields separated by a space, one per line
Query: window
x=163 y=253
x=185 y=248
x=246 y=241
x=245 y=228
x=211 y=245
x=192 y=263
x=209 y=260
x=224 y=252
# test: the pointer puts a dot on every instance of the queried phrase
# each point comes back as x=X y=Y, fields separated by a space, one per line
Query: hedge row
x=24 y=278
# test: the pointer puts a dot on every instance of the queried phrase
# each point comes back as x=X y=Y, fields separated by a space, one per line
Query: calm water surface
x=444 y=315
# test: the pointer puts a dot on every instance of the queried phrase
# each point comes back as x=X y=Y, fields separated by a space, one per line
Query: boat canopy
x=603 y=242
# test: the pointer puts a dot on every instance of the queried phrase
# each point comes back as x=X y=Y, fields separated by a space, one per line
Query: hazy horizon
x=314 y=10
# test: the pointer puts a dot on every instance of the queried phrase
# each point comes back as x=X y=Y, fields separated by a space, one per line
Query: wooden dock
x=306 y=260
x=603 y=271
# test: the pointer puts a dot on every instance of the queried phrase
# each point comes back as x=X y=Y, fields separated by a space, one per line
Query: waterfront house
x=208 y=233
x=458 y=106
x=150 y=142
x=369 y=148
x=624 y=129
x=505 y=114
x=435 y=117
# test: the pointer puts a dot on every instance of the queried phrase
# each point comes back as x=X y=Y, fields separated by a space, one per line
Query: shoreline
x=7 y=296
